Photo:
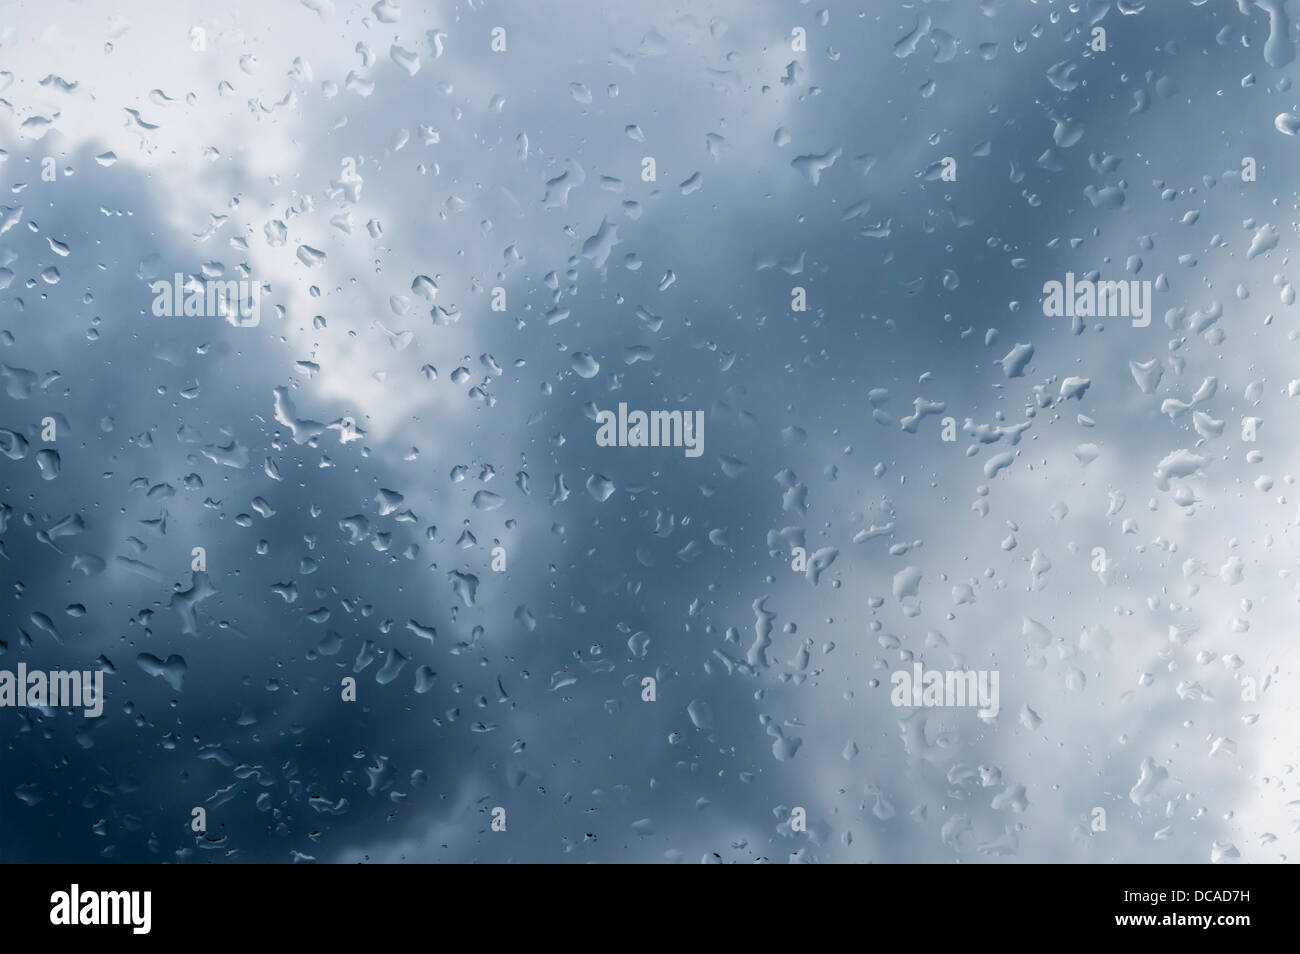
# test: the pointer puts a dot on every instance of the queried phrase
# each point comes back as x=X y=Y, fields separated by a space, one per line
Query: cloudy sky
x=827 y=228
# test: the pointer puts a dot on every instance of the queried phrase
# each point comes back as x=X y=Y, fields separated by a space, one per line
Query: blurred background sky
x=350 y=463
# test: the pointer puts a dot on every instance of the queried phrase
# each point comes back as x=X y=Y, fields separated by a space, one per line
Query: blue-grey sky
x=1104 y=526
